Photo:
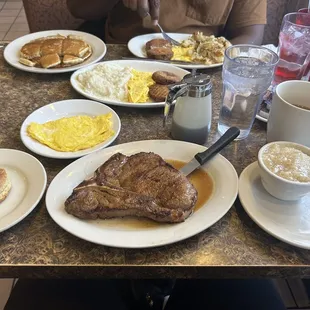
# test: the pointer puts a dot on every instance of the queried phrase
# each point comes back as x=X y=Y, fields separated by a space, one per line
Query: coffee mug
x=289 y=118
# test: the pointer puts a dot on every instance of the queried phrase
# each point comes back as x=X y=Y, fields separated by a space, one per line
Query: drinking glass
x=247 y=73
x=301 y=21
x=294 y=47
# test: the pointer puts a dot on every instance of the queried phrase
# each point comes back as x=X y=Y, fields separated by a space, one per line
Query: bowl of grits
x=285 y=169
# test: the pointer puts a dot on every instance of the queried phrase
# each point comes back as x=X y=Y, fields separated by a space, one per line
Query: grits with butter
x=289 y=163
x=117 y=83
x=71 y=134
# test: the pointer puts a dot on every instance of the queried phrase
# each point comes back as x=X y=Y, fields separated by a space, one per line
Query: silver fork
x=166 y=37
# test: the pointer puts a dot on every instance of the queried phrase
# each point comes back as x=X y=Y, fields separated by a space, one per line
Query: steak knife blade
x=201 y=158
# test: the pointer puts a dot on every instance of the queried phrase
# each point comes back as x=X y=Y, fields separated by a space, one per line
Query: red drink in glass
x=303 y=19
x=294 y=47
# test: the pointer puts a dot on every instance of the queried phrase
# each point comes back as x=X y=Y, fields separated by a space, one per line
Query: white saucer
x=67 y=108
x=28 y=179
x=289 y=221
x=11 y=52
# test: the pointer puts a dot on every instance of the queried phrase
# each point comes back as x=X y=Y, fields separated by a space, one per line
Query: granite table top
x=37 y=247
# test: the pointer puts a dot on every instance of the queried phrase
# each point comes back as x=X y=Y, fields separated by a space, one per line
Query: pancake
x=55 y=51
x=76 y=48
x=31 y=50
x=52 y=46
x=50 y=61
x=70 y=60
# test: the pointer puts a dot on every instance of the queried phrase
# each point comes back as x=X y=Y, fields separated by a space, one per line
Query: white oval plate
x=113 y=232
x=288 y=221
x=11 y=52
x=28 y=178
x=66 y=108
x=137 y=47
x=139 y=65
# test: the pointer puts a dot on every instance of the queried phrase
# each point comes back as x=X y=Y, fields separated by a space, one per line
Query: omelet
x=71 y=134
x=138 y=86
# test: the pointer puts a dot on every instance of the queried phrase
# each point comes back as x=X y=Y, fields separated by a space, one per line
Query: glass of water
x=247 y=73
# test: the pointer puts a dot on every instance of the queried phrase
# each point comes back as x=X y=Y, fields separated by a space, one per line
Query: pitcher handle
x=175 y=92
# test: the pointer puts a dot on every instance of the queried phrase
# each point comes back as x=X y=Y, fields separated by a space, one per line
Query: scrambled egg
x=182 y=53
x=114 y=82
x=70 y=134
x=203 y=49
x=138 y=86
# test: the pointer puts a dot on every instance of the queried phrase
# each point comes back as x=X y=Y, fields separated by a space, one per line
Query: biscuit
x=158 y=92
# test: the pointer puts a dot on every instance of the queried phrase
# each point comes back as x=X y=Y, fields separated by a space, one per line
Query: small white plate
x=137 y=47
x=67 y=108
x=116 y=233
x=28 y=178
x=11 y=52
x=139 y=65
x=289 y=221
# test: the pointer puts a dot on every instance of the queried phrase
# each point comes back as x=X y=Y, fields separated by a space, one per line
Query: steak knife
x=203 y=157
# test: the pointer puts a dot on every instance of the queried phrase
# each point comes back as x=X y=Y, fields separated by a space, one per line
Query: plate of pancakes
x=141 y=46
x=116 y=82
x=54 y=51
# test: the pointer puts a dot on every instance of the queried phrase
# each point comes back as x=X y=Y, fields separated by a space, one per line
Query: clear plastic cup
x=247 y=73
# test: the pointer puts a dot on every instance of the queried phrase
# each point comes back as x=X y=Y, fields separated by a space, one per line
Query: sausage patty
x=158 y=92
x=165 y=77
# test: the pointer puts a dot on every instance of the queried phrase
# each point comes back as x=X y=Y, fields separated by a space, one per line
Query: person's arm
x=90 y=9
x=246 y=22
x=247 y=35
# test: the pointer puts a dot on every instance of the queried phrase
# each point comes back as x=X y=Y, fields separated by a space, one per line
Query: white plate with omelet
x=209 y=50
x=70 y=128
x=123 y=82
x=22 y=185
x=83 y=49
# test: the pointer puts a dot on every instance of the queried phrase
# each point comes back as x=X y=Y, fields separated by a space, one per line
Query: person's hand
x=145 y=8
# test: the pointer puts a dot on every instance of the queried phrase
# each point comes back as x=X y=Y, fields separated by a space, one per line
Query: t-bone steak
x=142 y=185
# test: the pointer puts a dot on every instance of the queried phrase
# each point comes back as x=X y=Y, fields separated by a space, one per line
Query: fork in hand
x=166 y=37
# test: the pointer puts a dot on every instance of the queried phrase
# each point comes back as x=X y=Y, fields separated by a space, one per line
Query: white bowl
x=277 y=186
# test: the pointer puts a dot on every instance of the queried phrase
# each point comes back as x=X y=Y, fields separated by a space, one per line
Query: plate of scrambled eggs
x=121 y=82
x=206 y=51
x=70 y=128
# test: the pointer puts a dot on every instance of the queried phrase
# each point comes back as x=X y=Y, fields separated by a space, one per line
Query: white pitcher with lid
x=192 y=115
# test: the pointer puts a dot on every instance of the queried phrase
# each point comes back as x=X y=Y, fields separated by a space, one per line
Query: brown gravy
x=200 y=179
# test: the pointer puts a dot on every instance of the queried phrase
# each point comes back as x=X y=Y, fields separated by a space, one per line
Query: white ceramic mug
x=287 y=121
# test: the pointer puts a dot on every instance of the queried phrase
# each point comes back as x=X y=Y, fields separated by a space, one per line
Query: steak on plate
x=142 y=185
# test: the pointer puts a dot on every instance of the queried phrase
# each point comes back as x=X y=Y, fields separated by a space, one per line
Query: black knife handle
x=225 y=139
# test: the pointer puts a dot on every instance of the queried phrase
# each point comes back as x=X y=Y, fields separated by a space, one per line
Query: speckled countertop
x=37 y=247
